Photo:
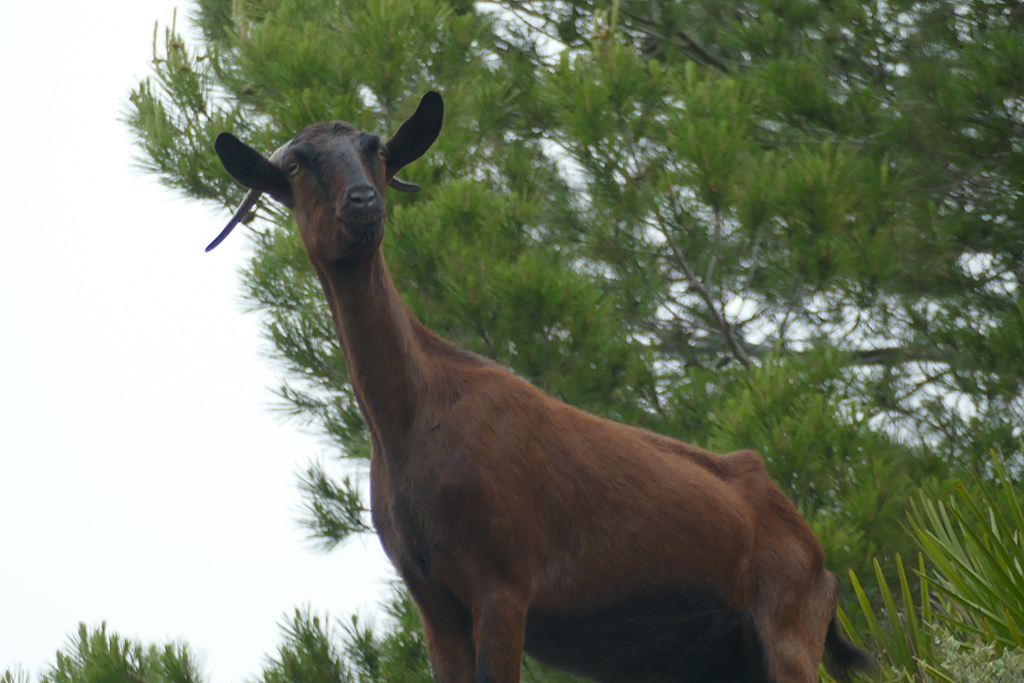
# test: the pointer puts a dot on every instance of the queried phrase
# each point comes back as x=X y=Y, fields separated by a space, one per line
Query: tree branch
x=727 y=329
x=688 y=42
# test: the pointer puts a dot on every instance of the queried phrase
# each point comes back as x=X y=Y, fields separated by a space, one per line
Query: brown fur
x=516 y=519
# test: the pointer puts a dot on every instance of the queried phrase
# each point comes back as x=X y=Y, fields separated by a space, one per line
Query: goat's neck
x=378 y=335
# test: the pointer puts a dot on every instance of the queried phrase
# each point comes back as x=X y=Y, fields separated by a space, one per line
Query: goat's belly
x=659 y=639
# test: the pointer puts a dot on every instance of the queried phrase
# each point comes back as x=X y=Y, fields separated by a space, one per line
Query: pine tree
x=98 y=656
x=825 y=203
x=790 y=226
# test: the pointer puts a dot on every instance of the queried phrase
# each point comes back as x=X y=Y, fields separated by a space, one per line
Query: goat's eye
x=292 y=168
x=382 y=153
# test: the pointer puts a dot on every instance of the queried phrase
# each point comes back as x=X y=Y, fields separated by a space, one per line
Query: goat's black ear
x=416 y=135
x=251 y=168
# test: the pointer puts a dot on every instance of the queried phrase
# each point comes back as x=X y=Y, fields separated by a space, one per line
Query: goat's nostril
x=361 y=195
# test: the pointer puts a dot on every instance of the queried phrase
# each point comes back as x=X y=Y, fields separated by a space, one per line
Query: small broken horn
x=403 y=186
x=248 y=201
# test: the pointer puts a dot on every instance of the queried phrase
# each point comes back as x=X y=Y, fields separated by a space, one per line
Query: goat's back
x=588 y=508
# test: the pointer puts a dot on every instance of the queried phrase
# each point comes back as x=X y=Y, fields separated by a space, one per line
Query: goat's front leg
x=499 y=627
x=448 y=630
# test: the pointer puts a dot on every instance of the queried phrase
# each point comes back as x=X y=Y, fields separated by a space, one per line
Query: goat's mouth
x=363 y=232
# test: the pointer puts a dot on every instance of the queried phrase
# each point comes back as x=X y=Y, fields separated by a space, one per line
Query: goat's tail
x=843 y=658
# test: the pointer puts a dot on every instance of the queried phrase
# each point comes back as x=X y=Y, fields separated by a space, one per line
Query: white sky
x=144 y=479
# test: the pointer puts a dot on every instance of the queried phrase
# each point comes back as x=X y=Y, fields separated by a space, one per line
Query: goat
x=519 y=522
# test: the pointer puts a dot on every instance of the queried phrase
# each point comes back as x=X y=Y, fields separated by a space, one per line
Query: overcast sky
x=144 y=479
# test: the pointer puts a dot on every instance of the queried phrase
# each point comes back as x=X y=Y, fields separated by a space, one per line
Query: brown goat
x=519 y=522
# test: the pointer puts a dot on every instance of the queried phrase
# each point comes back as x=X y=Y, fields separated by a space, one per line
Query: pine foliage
x=794 y=227
x=97 y=656
x=791 y=226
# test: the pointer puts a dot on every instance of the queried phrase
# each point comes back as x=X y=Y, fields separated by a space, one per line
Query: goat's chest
x=400 y=529
x=422 y=516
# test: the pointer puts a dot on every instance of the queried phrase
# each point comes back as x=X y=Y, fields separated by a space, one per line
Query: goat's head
x=333 y=175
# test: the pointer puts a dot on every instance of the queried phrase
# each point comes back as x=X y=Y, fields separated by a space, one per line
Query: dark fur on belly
x=658 y=639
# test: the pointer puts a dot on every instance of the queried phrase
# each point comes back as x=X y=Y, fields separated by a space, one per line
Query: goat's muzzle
x=361 y=204
x=361 y=212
